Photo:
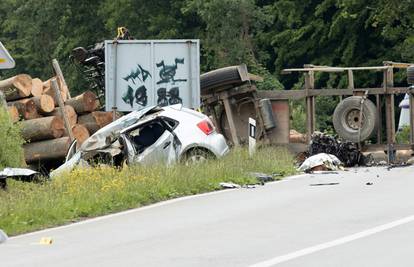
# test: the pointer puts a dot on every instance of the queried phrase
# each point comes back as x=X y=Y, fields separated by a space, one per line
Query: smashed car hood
x=104 y=137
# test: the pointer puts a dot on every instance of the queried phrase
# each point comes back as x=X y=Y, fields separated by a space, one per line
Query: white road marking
x=334 y=243
x=159 y=204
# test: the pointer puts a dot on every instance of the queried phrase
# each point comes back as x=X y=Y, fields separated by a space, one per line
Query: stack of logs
x=35 y=104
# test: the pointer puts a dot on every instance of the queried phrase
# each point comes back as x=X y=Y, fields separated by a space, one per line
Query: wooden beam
x=68 y=127
x=59 y=73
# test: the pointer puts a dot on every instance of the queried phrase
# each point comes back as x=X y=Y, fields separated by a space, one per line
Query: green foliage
x=11 y=152
x=92 y=192
x=403 y=136
x=298 y=116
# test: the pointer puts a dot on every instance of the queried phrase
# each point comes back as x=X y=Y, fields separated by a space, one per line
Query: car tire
x=196 y=156
x=410 y=75
x=346 y=119
x=211 y=81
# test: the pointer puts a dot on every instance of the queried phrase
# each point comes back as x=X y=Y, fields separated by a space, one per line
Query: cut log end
x=26 y=108
x=44 y=104
x=84 y=103
x=13 y=113
x=17 y=87
x=37 y=87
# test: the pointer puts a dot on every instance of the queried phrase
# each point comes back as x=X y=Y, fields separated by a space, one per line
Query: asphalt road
x=288 y=223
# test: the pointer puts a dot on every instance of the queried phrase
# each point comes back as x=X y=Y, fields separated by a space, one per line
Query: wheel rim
x=352 y=119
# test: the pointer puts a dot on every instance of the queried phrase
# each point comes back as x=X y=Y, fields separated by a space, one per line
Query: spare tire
x=346 y=119
x=217 y=78
x=410 y=75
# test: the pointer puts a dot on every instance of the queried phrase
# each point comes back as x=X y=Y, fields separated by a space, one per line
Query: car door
x=161 y=152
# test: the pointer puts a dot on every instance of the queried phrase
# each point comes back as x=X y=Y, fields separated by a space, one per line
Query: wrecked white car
x=152 y=135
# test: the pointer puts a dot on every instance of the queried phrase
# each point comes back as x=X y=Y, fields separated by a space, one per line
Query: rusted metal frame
x=230 y=119
x=299 y=94
x=389 y=113
x=332 y=69
x=260 y=117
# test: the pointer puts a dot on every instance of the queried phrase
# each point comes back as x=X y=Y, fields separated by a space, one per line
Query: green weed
x=97 y=191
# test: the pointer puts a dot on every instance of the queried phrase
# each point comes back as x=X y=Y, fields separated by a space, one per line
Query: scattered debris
x=369 y=183
x=263 y=177
x=325 y=172
x=229 y=185
x=321 y=162
x=46 y=241
x=17 y=174
x=347 y=152
x=324 y=184
x=402 y=165
x=3 y=236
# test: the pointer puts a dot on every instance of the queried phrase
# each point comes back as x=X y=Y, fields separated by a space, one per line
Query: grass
x=91 y=192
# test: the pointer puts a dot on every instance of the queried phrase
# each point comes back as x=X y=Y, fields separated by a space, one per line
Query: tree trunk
x=95 y=120
x=43 y=128
x=37 y=87
x=80 y=133
x=19 y=86
x=54 y=149
x=70 y=112
x=26 y=108
x=13 y=113
x=44 y=104
x=83 y=103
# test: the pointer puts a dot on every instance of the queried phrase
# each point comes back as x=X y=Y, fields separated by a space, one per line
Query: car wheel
x=346 y=119
x=196 y=156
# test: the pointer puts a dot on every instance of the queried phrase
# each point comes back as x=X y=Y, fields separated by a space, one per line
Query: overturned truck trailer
x=230 y=97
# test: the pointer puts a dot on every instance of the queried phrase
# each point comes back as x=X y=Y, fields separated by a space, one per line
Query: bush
x=403 y=135
x=11 y=151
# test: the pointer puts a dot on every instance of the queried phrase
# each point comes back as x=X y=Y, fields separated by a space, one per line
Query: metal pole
x=115 y=54
x=190 y=72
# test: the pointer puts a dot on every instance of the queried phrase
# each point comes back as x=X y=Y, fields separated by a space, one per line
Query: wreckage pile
x=35 y=104
x=347 y=152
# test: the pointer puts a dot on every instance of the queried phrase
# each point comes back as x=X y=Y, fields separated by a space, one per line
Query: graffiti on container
x=139 y=73
x=167 y=72
x=171 y=97
x=167 y=77
x=137 y=76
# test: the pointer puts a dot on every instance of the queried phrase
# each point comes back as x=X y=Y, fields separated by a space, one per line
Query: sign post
x=6 y=61
x=252 y=136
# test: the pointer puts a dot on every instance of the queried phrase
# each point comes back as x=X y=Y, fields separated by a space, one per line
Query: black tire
x=410 y=75
x=346 y=119
x=218 y=78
